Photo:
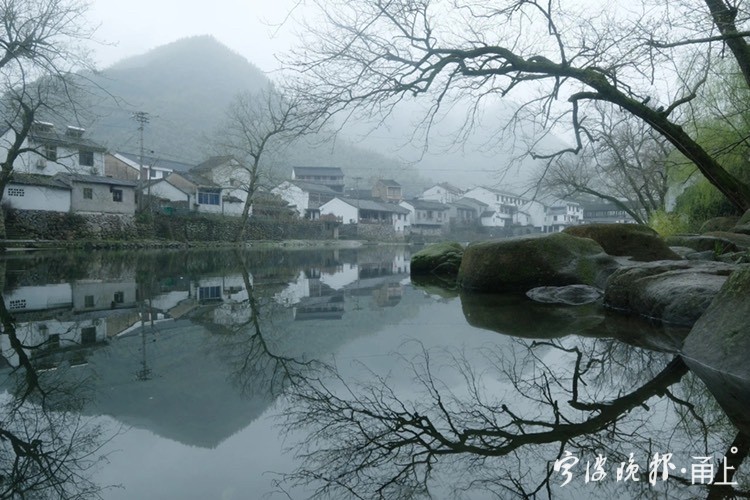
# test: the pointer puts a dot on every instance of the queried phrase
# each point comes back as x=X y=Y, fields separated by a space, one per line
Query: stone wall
x=370 y=232
x=219 y=228
x=44 y=225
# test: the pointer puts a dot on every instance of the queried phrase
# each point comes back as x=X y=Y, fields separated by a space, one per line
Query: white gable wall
x=24 y=197
x=339 y=208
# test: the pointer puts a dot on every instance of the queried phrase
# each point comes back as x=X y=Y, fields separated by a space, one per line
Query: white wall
x=293 y=195
x=22 y=197
x=167 y=191
x=341 y=209
x=38 y=298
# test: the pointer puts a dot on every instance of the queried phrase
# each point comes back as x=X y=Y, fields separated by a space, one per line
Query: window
x=209 y=292
x=88 y=194
x=119 y=298
x=16 y=192
x=88 y=301
x=153 y=173
x=88 y=335
x=50 y=152
x=17 y=304
x=208 y=198
x=117 y=195
x=86 y=158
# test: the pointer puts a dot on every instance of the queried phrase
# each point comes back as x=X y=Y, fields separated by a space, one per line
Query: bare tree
x=366 y=440
x=625 y=162
x=39 y=49
x=257 y=128
x=368 y=55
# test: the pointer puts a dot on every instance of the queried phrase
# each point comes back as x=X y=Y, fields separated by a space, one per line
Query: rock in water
x=441 y=259
x=641 y=243
x=571 y=295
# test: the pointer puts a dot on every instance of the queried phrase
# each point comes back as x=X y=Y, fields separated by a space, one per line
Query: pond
x=294 y=373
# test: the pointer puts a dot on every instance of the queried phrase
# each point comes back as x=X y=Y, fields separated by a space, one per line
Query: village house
x=37 y=192
x=188 y=191
x=443 y=192
x=97 y=194
x=51 y=152
x=232 y=176
x=604 y=213
x=332 y=177
x=387 y=190
x=350 y=211
x=306 y=198
x=426 y=217
x=465 y=211
x=502 y=207
x=127 y=166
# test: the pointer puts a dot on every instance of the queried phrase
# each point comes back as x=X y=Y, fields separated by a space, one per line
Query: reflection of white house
x=39 y=298
x=351 y=211
x=50 y=152
x=344 y=275
x=96 y=295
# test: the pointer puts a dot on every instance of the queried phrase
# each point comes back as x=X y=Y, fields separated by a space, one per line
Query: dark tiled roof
x=329 y=171
x=314 y=188
x=152 y=161
x=213 y=162
x=94 y=179
x=58 y=139
x=38 y=180
x=374 y=205
x=388 y=182
x=427 y=205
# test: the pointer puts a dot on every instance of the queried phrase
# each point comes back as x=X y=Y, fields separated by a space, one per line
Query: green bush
x=668 y=224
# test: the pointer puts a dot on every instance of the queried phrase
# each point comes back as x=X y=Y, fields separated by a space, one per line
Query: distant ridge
x=185 y=86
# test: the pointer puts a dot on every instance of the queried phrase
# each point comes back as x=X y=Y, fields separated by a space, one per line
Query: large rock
x=442 y=259
x=719 y=224
x=525 y=262
x=742 y=241
x=703 y=243
x=673 y=292
x=641 y=243
x=718 y=346
x=743 y=225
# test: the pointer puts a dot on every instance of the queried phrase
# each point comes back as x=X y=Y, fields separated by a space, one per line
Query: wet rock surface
x=572 y=295
x=641 y=243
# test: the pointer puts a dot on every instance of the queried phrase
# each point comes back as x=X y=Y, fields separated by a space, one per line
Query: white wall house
x=426 y=216
x=234 y=179
x=37 y=192
x=53 y=151
x=502 y=206
x=367 y=212
x=304 y=197
x=443 y=193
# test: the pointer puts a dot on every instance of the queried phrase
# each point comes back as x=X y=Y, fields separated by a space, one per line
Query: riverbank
x=292 y=244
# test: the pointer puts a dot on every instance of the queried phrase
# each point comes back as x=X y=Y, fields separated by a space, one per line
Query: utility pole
x=142 y=118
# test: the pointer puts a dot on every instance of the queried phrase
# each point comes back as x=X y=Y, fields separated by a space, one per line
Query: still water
x=286 y=374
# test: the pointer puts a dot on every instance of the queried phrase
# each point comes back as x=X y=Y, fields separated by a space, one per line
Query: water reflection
x=197 y=347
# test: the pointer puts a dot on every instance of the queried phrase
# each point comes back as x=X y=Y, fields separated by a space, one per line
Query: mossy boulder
x=719 y=224
x=742 y=241
x=742 y=226
x=674 y=293
x=638 y=242
x=442 y=259
x=718 y=345
x=702 y=243
x=526 y=262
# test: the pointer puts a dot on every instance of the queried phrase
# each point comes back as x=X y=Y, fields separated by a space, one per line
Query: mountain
x=186 y=87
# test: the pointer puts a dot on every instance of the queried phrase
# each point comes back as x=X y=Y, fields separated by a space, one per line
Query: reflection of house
x=304 y=197
x=332 y=177
x=49 y=152
x=322 y=307
x=350 y=211
x=387 y=190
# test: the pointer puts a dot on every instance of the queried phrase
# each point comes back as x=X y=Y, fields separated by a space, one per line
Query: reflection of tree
x=370 y=440
x=258 y=367
x=47 y=450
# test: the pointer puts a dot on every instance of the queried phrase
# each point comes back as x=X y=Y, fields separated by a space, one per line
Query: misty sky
x=133 y=27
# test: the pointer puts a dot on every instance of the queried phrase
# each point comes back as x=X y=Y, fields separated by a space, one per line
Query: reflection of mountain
x=187 y=397
x=196 y=376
